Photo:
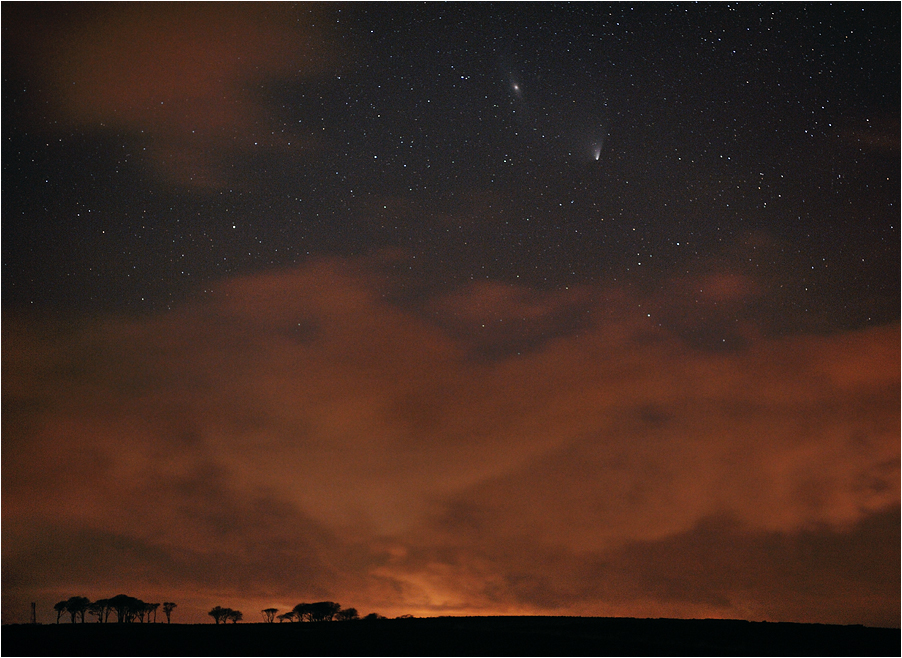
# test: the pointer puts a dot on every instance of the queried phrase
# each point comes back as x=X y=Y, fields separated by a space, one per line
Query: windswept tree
x=77 y=606
x=144 y=611
x=218 y=614
x=60 y=609
x=323 y=610
x=269 y=614
x=301 y=612
x=168 y=607
x=100 y=609
x=319 y=611
x=347 y=614
x=127 y=608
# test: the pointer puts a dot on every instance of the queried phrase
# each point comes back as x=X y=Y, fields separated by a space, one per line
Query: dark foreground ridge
x=455 y=636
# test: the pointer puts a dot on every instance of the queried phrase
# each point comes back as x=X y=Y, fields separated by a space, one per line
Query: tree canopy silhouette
x=218 y=613
x=269 y=614
x=152 y=611
x=320 y=611
x=347 y=614
x=168 y=607
x=100 y=609
x=127 y=608
x=77 y=606
x=223 y=615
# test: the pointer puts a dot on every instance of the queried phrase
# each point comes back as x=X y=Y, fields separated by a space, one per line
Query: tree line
x=127 y=609
x=320 y=611
x=308 y=612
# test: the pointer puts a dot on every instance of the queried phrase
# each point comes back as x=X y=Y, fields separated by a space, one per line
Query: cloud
x=299 y=422
x=498 y=320
x=184 y=79
x=716 y=569
x=878 y=135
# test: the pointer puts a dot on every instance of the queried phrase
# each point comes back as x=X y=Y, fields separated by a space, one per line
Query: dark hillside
x=454 y=636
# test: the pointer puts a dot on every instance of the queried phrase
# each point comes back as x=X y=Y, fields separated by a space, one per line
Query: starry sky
x=453 y=309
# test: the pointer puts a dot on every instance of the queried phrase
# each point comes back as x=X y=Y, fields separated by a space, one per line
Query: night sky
x=453 y=309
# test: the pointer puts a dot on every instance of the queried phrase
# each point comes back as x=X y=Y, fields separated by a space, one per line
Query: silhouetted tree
x=218 y=614
x=77 y=606
x=373 y=616
x=286 y=616
x=347 y=614
x=168 y=607
x=323 y=610
x=320 y=611
x=60 y=609
x=152 y=610
x=126 y=608
x=233 y=616
x=301 y=612
x=100 y=609
x=269 y=614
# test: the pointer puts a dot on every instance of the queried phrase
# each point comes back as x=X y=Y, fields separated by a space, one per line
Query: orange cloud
x=186 y=75
x=298 y=418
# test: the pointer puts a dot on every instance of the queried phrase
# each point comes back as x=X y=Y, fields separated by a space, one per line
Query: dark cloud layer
x=296 y=435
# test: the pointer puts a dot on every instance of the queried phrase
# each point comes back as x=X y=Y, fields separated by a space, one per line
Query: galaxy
x=453 y=309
